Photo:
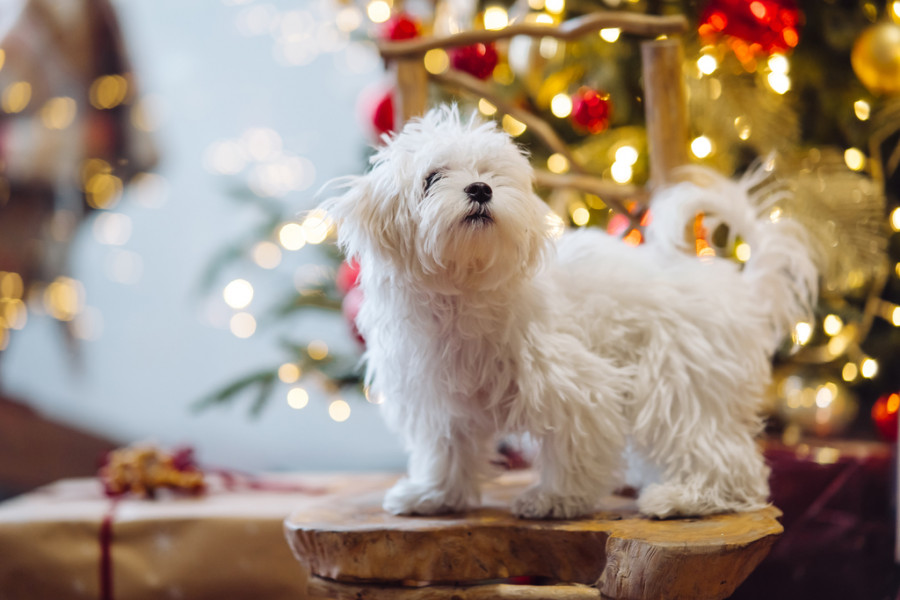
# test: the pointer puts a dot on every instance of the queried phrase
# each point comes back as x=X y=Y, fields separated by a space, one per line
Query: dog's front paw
x=538 y=503
x=410 y=498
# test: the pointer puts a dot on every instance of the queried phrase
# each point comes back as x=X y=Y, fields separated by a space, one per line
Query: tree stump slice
x=352 y=547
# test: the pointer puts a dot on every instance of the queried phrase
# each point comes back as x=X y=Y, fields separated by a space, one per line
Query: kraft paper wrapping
x=224 y=544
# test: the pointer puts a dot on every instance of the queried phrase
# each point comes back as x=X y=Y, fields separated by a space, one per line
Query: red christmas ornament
x=400 y=27
x=763 y=25
x=383 y=117
x=477 y=60
x=590 y=110
x=884 y=414
x=347 y=276
x=350 y=309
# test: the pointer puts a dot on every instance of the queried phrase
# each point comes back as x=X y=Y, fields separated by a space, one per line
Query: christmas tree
x=810 y=92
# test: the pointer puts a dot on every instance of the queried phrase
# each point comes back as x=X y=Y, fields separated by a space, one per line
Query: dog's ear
x=367 y=222
x=346 y=211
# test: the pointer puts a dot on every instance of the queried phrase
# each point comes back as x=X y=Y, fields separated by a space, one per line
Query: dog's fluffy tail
x=782 y=268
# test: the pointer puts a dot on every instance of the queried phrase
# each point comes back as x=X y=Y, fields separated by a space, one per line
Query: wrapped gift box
x=68 y=540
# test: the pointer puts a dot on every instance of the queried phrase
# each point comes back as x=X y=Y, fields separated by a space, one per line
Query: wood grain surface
x=349 y=539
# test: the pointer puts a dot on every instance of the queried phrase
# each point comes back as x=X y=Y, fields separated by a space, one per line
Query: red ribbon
x=105 y=539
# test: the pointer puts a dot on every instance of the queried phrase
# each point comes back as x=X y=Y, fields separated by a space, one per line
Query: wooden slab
x=348 y=538
x=323 y=589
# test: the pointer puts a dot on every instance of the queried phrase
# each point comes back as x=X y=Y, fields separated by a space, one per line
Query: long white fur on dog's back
x=781 y=270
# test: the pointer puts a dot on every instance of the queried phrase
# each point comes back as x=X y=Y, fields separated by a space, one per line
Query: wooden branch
x=643 y=25
x=540 y=127
x=610 y=192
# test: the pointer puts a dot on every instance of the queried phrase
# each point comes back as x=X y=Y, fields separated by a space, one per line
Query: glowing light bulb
x=555 y=6
x=291 y=236
x=238 y=294
x=707 y=64
x=610 y=34
x=557 y=163
x=58 y=113
x=621 y=172
x=778 y=63
x=378 y=11
x=317 y=350
x=297 y=398
x=267 y=255
x=495 y=18
x=436 y=61
x=513 y=126
x=289 y=373
x=561 y=106
x=868 y=368
x=802 y=333
x=832 y=324
x=701 y=146
x=779 y=82
x=486 y=108
x=339 y=411
x=242 y=325
x=627 y=155
x=16 y=97
x=854 y=158
x=581 y=216
x=824 y=397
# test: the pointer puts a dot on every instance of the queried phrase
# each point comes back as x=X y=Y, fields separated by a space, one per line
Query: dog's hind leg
x=731 y=476
x=695 y=422
x=574 y=411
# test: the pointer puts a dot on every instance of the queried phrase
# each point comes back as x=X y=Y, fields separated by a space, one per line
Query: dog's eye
x=432 y=179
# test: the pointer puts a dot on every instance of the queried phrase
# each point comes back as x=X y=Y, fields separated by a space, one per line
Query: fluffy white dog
x=479 y=323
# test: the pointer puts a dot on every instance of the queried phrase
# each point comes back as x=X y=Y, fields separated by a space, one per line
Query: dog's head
x=447 y=205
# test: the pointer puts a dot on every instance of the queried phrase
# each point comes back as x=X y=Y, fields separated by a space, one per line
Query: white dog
x=479 y=323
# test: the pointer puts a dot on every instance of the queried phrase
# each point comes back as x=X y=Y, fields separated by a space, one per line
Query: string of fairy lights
x=774 y=72
x=624 y=166
x=299 y=36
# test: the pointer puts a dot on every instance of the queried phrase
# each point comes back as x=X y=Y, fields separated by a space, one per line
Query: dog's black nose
x=479 y=192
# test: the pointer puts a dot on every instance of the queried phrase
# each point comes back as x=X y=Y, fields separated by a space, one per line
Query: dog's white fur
x=478 y=327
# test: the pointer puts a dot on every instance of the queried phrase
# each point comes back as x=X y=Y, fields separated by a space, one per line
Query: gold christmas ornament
x=817 y=405
x=876 y=58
